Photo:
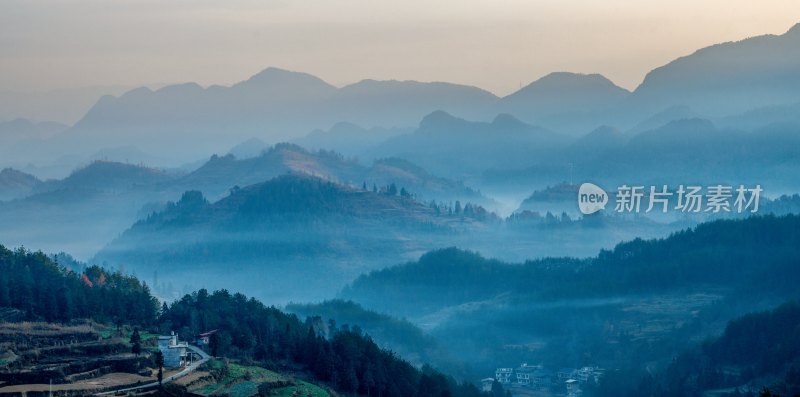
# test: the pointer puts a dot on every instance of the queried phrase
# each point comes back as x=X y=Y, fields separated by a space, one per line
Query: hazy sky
x=494 y=44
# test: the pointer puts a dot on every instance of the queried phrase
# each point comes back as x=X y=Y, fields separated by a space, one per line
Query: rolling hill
x=219 y=174
x=16 y=184
x=302 y=235
x=628 y=307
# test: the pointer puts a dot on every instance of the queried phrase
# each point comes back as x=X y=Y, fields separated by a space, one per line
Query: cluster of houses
x=539 y=378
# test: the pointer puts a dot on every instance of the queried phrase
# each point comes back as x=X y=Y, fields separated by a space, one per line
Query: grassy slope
x=243 y=381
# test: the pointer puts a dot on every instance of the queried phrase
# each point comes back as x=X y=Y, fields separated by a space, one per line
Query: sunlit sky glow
x=494 y=44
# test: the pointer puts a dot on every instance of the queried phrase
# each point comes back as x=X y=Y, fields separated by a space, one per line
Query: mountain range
x=274 y=103
x=183 y=122
x=683 y=151
x=111 y=196
x=454 y=147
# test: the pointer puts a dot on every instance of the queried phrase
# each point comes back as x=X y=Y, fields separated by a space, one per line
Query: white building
x=486 y=384
x=573 y=388
x=525 y=374
x=589 y=374
x=174 y=352
x=503 y=375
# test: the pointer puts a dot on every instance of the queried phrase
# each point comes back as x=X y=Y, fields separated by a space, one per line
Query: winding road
x=203 y=359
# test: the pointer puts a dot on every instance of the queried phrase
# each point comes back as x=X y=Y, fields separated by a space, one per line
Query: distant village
x=537 y=377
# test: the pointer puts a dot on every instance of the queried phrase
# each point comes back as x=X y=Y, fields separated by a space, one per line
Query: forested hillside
x=399 y=335
x=34 y=287
x=756 y=350
x=747 y=255
x=344 y=357
x=40 y=289
x=308 y=235
x=630 y=308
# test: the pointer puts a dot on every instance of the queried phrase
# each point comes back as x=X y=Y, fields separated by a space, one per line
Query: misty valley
x=284 y=236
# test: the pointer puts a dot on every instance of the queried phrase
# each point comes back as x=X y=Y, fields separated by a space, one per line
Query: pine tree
x=136 y=342
x=160 y=365
x=214 y=342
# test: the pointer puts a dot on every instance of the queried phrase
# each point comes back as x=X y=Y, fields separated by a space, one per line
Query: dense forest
x=761 y=346
x=400 y=335
x=745 y=254
x=39 y=288
x=629 y=309
x=344 y=357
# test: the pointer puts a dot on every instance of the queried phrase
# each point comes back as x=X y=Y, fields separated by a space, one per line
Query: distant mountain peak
x=561 y=81
x=11 y=172
x=273 y=75
x=344 y=126
x=100 y=166
x=272 y=72
x=507 y=121
x=286 y=84
x=571 y=76
x=438 y=118
x=567 y=101
x=406 y=87
x=180 y=89
x=16 y=184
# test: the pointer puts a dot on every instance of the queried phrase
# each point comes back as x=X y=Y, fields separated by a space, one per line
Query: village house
x=174 y=352
x=503 y=375
x=205 y=338
x=539 y=378
x=588 y=374
x=486 y=384
x=525 y=373
x=573 y=388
